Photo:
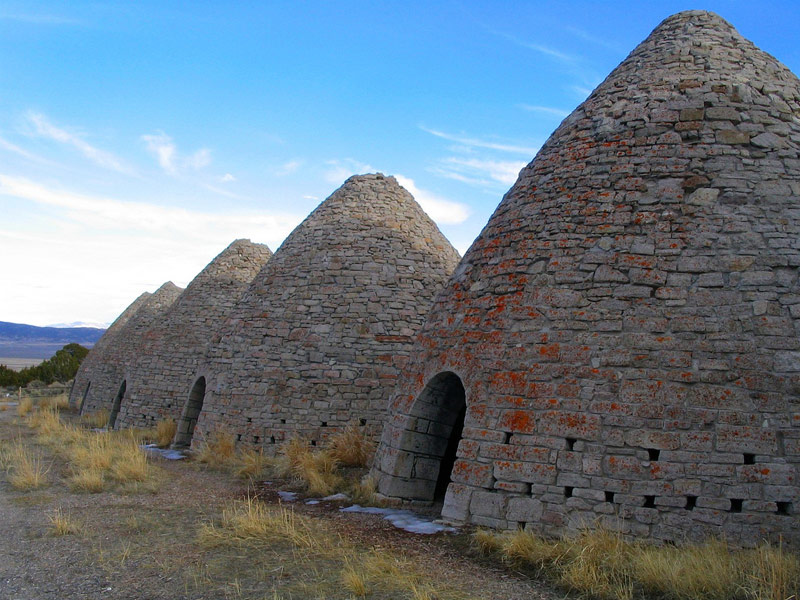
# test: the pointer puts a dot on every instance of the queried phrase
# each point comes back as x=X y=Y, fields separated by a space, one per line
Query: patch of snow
x=312 y=501
x=163 y=453
x=288 y=496
x=403 y=519
x=335 y=497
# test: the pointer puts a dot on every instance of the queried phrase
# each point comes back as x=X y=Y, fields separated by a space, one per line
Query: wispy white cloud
x=337 y=171
x=163 y=147
x=227 y=178
x=599 y=41
x=479 y=143
x=545 y=109
x=477 y=171
x=109 y=214
x=44 y=128
x=438 y=208
x=288 y=167
x=6 y=145
x=540 y=48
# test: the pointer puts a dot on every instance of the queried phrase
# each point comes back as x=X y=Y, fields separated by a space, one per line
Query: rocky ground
x=144 y=545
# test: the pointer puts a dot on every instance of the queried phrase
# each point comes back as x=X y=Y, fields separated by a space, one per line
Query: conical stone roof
x=108 y=373
x=164 y=364
x=96 y=356
x=318 y=339
x=625 y=327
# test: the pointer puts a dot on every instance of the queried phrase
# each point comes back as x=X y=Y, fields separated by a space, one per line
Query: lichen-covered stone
x=99 y=383
x=631 y=308
x=318 y=339
x=163 y=368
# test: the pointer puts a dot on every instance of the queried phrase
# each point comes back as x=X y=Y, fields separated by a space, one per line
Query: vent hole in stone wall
x=324 y=424
x=362 y=422
x=506 y=437
x=256 y=439
x=272 y=439
x=691 y=502
x=749 y=459
x=571 y=443
x=649 y=501
x=736 y=505
x=313 y=442
x=784 y=508
x=283 y=421
x=249 y=419
x=568 y=491
x=238 y=437
x=609 y=496
x=653 y=453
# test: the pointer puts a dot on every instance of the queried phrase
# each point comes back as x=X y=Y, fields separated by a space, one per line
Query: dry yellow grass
x=165 y=432
x=252 y=464
x=24 y=407
x=60 y=402
x=351 y=447
x=96 y=419
x=96 y=459
x=218 y=451
x=601 y=564
x=25 y=471
x=62 y=523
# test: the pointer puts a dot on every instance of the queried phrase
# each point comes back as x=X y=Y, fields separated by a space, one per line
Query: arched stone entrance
x=117 y=402
x=191 y=411
x=83 y=399
x=433 y=431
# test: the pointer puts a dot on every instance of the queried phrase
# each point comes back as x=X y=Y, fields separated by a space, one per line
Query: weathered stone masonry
x=319 y=338
x=623 y=335
x=105 y=375
x=162 y=370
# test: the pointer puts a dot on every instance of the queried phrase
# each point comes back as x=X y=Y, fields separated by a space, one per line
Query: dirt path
x=144 y=545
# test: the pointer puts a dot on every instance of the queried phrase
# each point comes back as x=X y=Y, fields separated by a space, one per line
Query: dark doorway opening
x=191 y=412
x=439 y=414
x=83 y=400
x=112 y=419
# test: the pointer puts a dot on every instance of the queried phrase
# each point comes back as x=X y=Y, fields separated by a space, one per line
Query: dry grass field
x=88 y=514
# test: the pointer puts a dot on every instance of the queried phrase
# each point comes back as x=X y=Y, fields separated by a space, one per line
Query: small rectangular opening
x=324 y=424
x=272 y=439
x=238 y=437
x=691 y=502
x=571 y=443
x=749 y=459
x=362 y=422
x=609 y=496
x=568 y=491
x=256 y=439
x=506 y=437
x=653 y=453
x=736 y=505
x=649 y=501
x=313 y=442
x=283 y=421
x=784 y=508
x=249 y=419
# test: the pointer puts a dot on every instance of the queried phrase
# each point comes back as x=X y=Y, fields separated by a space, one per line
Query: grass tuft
x=62 y=523
x=351 y=447
x=25 y=471
x=218 y=451
x=165 y=432
x=601 y=564
x=96 y=420
x=24 y=407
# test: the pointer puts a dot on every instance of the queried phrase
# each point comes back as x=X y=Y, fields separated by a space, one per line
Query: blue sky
x=138 y=139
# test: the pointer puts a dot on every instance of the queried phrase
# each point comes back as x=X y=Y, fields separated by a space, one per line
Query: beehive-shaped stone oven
x=169 y=353
x=621 y=341
x=318 y=340
x=93 y=361
x=102 y=383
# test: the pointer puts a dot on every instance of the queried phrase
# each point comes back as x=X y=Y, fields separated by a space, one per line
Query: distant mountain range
x=28 y=341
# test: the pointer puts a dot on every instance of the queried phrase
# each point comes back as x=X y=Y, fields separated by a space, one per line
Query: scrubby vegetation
x=61 y=367
x=602 y=564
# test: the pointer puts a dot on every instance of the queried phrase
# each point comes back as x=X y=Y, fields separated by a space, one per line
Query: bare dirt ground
x=145 y=545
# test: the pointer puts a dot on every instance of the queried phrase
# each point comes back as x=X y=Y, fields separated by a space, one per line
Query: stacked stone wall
x=96 y=357
x=107 y=374
x=318 y=340
x=626 y=325
x=164 y=365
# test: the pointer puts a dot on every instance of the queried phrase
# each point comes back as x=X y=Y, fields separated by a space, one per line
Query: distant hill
x=28 y=341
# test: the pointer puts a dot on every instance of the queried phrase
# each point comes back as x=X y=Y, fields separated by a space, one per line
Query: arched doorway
x=112 y=419
x=191 y=412
x=83 y=400
x=438 y=414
